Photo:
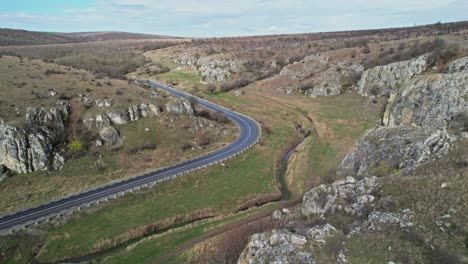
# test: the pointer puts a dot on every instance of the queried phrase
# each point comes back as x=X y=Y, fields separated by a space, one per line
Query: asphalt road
x=249 y=134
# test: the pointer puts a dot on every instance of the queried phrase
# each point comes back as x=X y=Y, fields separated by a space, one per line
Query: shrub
x=366 y=50
x=76 y=146
x=211 y=88
x=203 y=140
x=228 y=86
x=220 y=117
x=402 y=46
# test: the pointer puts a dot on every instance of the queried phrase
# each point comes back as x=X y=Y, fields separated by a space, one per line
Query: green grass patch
x=185 y=78
x=245 y=178
x=146 y=250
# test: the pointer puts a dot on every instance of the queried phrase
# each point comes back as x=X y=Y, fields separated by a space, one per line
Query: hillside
x=15 y=37
x=108 y=35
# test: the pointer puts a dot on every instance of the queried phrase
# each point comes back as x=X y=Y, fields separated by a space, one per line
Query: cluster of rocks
x=105 y=122
x=378 y=221
x=276 y=246
x=34 y=147
x=211 y=69
x=317 y=75
x=349 y=196
x=423 y=117
x=123 y=116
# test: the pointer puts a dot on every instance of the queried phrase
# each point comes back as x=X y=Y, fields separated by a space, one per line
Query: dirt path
x=213 y=233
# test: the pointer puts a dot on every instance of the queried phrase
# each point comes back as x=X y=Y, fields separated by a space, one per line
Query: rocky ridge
x=211 y=69
x=317 y=75
x=424 y=117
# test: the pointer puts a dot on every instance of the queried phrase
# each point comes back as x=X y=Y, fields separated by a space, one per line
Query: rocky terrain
x=425 y=118
x=211 y=68
x=318 y=75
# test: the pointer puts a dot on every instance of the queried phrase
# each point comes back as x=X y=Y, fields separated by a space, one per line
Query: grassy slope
x=245 y=179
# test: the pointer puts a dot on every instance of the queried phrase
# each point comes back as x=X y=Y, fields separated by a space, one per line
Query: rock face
x=384 y=150
x=436 y=101
x=180 y=106
x=24 y=152
x=423 y=115
x=123 y=116
x=378 y=220
x=319 y=76
x=381 y=80
x=277 y=246
x=212 y=69
x=458 y=65
x=53 y=118
x=110 y=135
x=349 y=196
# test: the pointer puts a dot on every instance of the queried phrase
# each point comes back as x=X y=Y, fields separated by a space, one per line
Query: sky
x=218 y=18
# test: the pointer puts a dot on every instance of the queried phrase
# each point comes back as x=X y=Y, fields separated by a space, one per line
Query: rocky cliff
x=423 y=117
x=34 y=148
x=382 y=80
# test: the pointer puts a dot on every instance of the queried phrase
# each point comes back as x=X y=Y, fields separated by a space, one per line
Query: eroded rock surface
x=319 y=76
x=458 y=65
x=383 y=150
x=211 y=68
x=180 y=106
x=348 y=195
x=434 y=101
x=277 y=246
x=24 y=151
x=382 y=80
x=123 y=116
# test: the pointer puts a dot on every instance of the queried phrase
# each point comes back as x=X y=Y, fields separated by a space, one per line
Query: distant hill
x=107 y=35
x=14 y=37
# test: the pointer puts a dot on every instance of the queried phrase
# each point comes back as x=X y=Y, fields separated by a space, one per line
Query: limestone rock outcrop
x=458 y=65
x=123 y=116
x=180 y=106
x=277 y=246
x=318 y=76
x=110 y=135
x=53 y=118
x=348 y=195
x=384 y=150
x=24 y=151
x=434 y=101
x=382 y=80
x=211 y=68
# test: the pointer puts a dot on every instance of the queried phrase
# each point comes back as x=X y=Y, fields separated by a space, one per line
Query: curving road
x=250 y=132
